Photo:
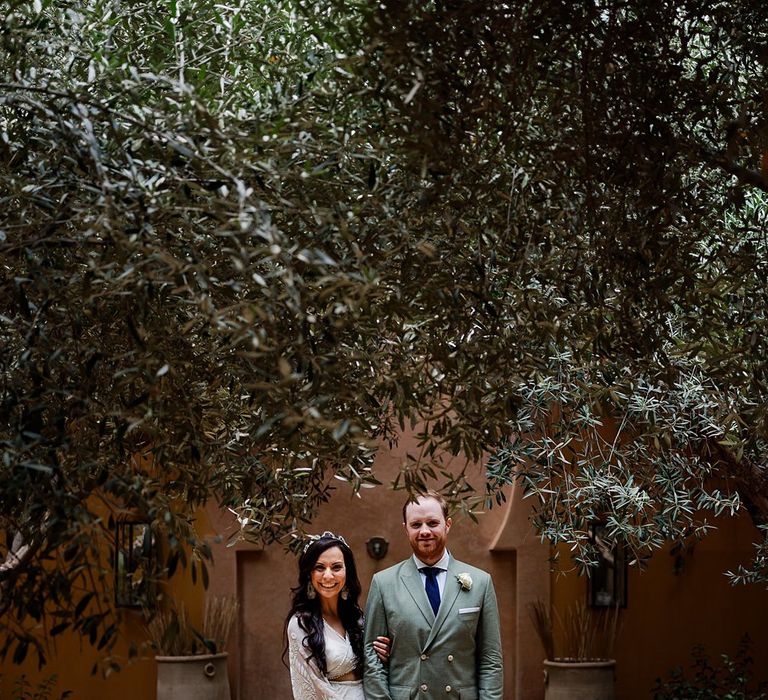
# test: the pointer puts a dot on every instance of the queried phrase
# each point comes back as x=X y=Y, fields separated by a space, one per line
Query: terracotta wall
x=263 y=577
x=71 y=659
x=667 y=614
x=670 y=612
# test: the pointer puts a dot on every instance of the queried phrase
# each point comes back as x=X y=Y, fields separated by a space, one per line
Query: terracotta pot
x=579 y=680
x=202 y=677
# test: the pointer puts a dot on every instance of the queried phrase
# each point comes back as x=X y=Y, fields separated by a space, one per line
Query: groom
x=440 y=615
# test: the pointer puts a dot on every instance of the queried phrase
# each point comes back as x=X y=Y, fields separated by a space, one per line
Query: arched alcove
x=532 y=582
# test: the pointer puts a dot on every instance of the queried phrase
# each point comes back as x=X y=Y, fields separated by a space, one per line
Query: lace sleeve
x=306 y=680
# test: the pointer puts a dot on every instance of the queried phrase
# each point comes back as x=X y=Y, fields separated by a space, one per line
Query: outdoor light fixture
x=377 y=547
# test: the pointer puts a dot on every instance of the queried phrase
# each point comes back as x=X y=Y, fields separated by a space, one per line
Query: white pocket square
x=468 y=610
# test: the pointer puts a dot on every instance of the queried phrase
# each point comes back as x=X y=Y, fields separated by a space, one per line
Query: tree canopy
x=243 y=245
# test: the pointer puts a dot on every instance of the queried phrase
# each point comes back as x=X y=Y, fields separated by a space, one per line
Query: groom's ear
x=448 y=523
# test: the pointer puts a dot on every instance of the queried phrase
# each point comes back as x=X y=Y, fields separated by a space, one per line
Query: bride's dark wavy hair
x=307 y=609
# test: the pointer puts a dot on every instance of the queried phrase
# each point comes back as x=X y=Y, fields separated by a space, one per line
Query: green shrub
x=44 y=690
x=732 y=679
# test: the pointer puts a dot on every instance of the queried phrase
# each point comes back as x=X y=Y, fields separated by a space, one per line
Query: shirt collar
x=441 y=564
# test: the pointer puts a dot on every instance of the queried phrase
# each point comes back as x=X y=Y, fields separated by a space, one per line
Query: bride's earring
x=344 y=593
x=311 y=592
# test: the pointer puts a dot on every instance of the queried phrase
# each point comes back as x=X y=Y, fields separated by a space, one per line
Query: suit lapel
x=411 y=579
x=450 y=593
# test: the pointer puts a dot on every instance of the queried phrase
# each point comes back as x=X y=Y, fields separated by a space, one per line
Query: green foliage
x=24 y=690
x=242 y=246
x=158 y=346
x=618 y=231
x=731 y=679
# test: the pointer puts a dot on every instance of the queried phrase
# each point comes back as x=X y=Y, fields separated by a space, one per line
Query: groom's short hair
x=427 y=494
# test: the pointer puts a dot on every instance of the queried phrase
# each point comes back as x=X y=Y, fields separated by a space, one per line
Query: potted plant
x=579 y=662
x=192 y=664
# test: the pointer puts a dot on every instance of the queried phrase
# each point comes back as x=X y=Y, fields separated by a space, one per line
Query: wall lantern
x=377 y=547
x=607 y=580
x=134 y=563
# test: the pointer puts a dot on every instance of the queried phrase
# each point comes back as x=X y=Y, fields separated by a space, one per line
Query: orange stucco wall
x=669 y=613
x=263 y=578
x=71 y=659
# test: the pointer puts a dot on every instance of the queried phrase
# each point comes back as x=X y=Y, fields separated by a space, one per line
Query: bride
x=324 y=628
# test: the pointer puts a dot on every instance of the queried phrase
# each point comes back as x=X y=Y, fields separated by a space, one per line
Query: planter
x=579 y=680
x=202 y=677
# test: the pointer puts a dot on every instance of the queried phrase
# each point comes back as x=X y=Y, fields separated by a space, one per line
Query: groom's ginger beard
x=427 y=529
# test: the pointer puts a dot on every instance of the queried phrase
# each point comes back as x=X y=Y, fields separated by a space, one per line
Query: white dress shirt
x=441 y=577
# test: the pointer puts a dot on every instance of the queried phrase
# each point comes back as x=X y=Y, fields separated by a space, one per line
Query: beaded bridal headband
x=311 y=539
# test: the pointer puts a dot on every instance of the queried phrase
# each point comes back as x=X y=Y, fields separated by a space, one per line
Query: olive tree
x=596 y=175
x=244 y=245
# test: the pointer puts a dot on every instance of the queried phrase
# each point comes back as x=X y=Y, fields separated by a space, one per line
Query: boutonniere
x=465 y=581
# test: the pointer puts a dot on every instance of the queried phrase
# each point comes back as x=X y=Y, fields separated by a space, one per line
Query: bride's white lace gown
x=307 y=681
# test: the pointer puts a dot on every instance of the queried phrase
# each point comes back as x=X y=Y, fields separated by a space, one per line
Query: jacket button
x=450 y=657
x=447 y=688
x=424 y=687
x=424 y=657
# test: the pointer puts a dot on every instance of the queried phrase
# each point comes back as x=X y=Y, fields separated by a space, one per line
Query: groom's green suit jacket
x=454 y=655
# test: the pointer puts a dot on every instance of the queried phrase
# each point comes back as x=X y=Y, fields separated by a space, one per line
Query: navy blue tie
x=433 y=590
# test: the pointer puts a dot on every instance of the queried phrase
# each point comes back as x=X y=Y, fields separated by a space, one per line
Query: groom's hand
x=382 y=647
